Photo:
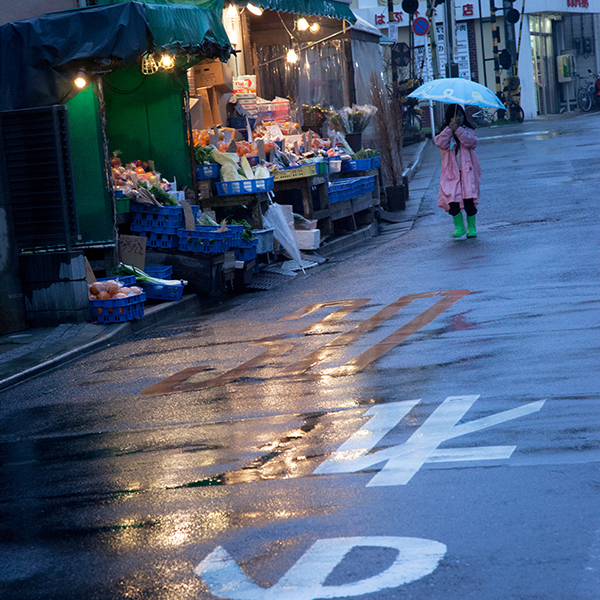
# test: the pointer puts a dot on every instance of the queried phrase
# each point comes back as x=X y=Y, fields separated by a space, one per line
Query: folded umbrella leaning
x=455 y=90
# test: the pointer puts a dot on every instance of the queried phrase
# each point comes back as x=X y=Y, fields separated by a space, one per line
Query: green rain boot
x=459 y=225
x=471 y=233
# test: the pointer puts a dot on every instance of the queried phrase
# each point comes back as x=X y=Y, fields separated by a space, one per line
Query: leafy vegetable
x=246 y=168
x=163 y=197
x=247 y=234
x=123 y=269
x=204 y=154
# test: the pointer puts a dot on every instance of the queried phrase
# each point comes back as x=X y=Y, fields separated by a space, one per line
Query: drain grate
x=266 y=280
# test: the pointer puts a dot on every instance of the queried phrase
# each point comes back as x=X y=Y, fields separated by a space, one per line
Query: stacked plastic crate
x=159 y=224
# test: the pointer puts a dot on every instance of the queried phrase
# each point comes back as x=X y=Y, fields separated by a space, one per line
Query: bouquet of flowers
x=313 y=116
x=351 y=120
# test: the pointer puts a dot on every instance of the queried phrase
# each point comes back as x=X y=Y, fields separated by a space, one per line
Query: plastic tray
x=201 y=240
x=163 y=292
x=244 y=186
x=159 y=240
x=118 y=315
x=208 y=171
x=121 y=205
x=362 y=164
x=159 y=216
x=236 y=233
x=117 y=310
x=159 y=271
x=148 y=228
x=245 y=250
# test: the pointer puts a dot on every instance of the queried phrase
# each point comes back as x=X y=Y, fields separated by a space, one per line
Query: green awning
x=184 y=23
x=216 y=5
x=321 y=8
x=186 y=26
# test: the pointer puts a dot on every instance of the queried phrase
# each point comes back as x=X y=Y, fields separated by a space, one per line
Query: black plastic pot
x=396 y=197
x=354 y=141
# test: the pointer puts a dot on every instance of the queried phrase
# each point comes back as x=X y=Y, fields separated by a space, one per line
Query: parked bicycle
x=588 y=95
x=486 y=116
x=411 y=115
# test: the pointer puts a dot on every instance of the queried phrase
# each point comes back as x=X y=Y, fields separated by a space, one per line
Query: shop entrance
x=544 y=75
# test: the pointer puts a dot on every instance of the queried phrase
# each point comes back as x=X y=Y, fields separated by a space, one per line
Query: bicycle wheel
x=584 y=100
x=516 y=112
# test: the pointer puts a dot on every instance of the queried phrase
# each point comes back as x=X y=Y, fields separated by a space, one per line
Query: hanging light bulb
x=149 y=64
x=81 y=79
x=314 y=28
x=292 y=57
x=302 y=24
x=232 y=13
x=167 y=62
x=255 y=10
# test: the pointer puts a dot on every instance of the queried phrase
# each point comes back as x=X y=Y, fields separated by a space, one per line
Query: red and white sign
x=420 y=26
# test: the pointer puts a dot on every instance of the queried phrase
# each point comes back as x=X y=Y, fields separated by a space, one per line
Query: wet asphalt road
x=481 y=402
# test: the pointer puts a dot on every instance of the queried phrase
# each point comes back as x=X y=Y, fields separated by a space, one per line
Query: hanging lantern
x=149 y=65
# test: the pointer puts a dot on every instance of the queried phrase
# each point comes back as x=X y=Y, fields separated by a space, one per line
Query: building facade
x=549 y=35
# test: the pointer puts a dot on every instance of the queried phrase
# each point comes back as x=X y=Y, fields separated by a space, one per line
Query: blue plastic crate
x=159 y=240
x=159 y=216
x=156 y=291
x=244 y=186
x=204 y=240
x=236 y=233
x=245 y=250
x=361 y=164
x=159 y=271
x=117 y=310
x=376 y=162
x=154 y=229
x=208 y=171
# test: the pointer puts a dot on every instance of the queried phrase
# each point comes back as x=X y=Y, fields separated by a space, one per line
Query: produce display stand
x=323 y=215
x=257 y=205
x=378 y=182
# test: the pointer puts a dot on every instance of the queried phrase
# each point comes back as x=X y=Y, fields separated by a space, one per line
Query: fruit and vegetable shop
x=159 y=149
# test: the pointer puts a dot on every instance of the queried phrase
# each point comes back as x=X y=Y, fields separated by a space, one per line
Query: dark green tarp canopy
x=39 y=57
x=321 y=8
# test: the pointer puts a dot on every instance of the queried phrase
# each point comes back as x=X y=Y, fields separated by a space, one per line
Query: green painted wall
x=94 y=209
x=145 y=120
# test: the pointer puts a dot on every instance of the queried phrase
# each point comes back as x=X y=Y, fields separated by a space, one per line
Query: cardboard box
x=215 y=74
x=309 y=239
x=205 y=112
x=245 y=84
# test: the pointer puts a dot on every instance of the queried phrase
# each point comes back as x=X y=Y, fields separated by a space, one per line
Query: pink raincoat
x=455 y=183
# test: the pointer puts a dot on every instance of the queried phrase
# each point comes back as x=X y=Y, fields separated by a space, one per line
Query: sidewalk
x=34 y=351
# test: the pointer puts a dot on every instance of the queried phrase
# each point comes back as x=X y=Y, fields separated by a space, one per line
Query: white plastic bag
x=275 y=218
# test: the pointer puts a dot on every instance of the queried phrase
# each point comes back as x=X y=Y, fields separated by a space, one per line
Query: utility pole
x=391 y=21
x=495 y=47
x=435 y=65
x=510 y=42
x=450 y=34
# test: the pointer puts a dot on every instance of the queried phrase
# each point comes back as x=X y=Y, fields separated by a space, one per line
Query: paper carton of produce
x=214 y=73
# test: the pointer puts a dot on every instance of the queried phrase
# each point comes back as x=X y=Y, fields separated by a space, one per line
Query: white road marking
x=416 y=558
x=403 y=461
x=495 y=137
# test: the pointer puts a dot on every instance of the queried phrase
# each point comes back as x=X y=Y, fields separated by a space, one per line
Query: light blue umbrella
x=458 y=91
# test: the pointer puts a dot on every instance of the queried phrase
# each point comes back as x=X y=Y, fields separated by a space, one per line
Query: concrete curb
x=159 y=314
x=410 y=171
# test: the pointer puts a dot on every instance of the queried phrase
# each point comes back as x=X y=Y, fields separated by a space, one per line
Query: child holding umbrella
x=461 y=172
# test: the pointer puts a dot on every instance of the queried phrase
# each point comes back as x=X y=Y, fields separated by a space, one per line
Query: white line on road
x=495 y=137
